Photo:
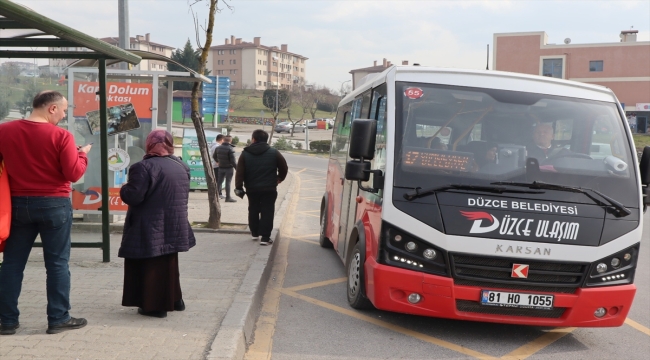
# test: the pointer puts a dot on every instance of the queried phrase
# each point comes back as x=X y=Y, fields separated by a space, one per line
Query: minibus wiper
x=419 y=192
x=619 y=209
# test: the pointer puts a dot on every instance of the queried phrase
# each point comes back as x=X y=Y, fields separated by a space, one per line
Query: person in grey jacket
x=156 y=228
x=261 y=169
x=225 y=157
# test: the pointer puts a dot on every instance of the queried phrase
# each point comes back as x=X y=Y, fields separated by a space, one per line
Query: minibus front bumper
x=389 y=289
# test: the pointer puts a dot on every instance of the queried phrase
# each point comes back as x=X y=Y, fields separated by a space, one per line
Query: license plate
x=518 y=300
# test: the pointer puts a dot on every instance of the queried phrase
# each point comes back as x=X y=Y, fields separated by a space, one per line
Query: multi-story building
x=139 y=42
x=144 y=43
x=256 y=66
x=621 y=66
x=359 y=74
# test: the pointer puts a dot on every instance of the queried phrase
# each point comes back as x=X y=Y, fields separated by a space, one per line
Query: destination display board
x=421 y=158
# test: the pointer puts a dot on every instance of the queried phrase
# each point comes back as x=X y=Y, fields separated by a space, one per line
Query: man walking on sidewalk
x=260 y=169
x=215 y=165
x=42 y=160
x=225 y=156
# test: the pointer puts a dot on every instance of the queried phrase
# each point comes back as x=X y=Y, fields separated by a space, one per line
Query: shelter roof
x=23 y=28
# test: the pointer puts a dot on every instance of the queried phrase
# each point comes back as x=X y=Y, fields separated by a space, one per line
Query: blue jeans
x=51 y=217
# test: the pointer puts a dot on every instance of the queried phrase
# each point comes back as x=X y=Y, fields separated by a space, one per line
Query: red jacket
x=41 y=159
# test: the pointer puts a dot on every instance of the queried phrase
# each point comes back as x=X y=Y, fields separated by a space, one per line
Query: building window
x=302 y=70
x=233 y=83
x=233 y=52
x=220 y=72
x=596 y=65
x=259 y=83
x=552 y=68
x=264 y=72
x=264 y=63
x=275 y=63
x=233 y=71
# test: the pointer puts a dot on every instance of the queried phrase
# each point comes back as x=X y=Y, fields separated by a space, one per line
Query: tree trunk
x=214 y=219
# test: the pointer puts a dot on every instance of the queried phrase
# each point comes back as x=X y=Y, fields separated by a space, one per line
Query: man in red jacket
x=41 y=160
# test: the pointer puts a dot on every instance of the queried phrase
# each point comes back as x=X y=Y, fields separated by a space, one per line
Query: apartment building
x=359 y=74
x=622 y=66
x=144 y=43
x=256 y=66
x=139 y=42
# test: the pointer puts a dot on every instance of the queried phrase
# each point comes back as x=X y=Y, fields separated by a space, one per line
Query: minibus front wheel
x=356 y=279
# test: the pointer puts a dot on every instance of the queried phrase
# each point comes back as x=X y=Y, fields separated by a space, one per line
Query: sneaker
x=266 y=241
x=8 y=329
x=71 y=324
x=158 y=314
x=230 y=200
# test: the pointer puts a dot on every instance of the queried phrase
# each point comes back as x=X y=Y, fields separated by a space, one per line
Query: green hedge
x=320 y=145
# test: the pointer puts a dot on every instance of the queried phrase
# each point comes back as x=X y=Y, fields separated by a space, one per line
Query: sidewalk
x=222 y=279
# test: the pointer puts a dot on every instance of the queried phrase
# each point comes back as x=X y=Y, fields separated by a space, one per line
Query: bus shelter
x=25 y=34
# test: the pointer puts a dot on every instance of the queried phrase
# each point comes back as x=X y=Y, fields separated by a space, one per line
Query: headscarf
x=159 y=143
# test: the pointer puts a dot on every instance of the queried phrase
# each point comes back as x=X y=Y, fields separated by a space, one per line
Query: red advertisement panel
x=92 y=199
x=86 y=98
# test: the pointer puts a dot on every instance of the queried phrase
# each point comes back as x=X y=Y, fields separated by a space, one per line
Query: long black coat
x=156 y=223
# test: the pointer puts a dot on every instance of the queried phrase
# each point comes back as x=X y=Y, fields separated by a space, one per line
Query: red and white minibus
x=486 y=196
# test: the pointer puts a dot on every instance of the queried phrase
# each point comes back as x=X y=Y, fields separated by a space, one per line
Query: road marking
x=313 y=242
x=316 y=284
x=265 y=325
x=389 y=326
x=305 y=236
x=637 y=326
x=538 y=344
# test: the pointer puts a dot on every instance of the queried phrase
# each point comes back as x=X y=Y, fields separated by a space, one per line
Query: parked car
x=311 y=124
x=285 y=126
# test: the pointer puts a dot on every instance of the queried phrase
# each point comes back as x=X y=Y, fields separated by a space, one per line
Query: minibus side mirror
x=357 y=171
x=362 y=139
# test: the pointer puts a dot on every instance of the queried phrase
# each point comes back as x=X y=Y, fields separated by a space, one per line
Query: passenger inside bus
x=436 y=144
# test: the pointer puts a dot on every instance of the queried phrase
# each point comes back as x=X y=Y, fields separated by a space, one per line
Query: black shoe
x=71 y=324
x=179 y=305
x=266 y=241
x=158 y=314
x=8 y=329
x=230 y=200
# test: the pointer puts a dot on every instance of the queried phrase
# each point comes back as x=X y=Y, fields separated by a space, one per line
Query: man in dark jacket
x=261 y=168
x=225 y=157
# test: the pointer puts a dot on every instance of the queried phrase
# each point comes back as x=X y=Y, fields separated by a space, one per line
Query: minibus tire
x=356 y=285
x=322 y=239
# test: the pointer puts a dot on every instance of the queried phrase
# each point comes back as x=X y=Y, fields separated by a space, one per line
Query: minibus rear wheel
x=322 y=239
x=356 y=279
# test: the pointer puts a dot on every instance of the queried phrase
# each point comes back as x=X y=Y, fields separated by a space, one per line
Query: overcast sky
x=338 y=36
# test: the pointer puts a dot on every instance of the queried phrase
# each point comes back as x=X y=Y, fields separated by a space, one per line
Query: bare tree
x=276 y=105
x=214 y=219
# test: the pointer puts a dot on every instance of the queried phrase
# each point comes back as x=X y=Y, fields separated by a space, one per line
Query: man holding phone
x=39 y=178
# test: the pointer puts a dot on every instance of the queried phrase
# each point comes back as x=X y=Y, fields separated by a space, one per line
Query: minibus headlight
x=620 y=270
x=401 y=249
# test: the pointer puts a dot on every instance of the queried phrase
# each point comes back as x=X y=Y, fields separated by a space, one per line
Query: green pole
x=103 y=120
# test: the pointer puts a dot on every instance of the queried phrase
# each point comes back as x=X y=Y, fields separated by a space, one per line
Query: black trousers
x=225 y=173
x=261 y=209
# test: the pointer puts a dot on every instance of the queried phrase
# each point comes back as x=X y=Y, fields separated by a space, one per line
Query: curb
x=236 y=329
x=117 y=229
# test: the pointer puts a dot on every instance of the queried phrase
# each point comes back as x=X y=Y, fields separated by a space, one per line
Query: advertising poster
x=192 y=157
x=91 y=199
x=140 y=95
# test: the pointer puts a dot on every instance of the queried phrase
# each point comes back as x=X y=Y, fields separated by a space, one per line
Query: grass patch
x=641 y=141
x=253 y=106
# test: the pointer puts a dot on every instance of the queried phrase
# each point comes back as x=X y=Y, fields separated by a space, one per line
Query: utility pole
x=123 y=16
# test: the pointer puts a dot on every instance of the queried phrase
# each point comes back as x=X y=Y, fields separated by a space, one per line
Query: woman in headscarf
x=156 y=228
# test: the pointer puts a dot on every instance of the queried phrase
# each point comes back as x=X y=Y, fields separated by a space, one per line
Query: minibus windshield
x=449 y=135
